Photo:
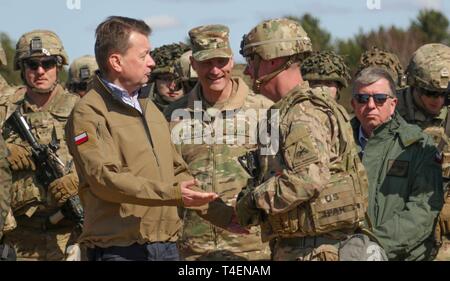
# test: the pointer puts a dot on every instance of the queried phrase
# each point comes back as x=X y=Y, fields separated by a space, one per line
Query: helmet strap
x=266 y=78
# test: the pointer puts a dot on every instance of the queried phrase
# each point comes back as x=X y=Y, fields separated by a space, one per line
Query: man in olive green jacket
x=403 y=166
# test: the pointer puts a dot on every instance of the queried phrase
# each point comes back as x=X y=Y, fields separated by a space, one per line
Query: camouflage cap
x=3 y=60
x=210 y=41
x=82 y=69
x=39 y=43
x=429 y=67
x=386 y=60
x=326 y=66
x=166 y=56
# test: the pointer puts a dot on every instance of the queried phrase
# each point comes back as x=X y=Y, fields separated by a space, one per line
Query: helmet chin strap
x=266 y=78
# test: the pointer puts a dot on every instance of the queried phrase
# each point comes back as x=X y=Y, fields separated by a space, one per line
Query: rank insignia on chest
x=81 y=138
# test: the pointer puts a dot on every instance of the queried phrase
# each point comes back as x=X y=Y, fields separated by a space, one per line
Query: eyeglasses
x=432 y=94
x=379 y=99
x=47 y=63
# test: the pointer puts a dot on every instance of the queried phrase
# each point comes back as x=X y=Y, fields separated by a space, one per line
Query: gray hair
x=371 y=75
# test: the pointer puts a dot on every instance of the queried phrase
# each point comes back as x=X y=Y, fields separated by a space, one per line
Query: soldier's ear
x=115 y=62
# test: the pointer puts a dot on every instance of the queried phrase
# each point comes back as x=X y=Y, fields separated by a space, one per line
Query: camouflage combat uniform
x=217 y=167
x=215 y=163
x=429 y=69
x=313 y=190
x=32 y=204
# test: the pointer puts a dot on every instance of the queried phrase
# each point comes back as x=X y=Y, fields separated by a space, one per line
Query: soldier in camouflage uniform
x=46 y=106
x=166 y=83
x=328 y=70
x=222 y=102
x=81 y=72
x=424 y=104
x=312 y=193
x=386 y=60
x=7 y=221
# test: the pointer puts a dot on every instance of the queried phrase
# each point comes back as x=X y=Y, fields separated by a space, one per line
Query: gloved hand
x=20 y=158
x=64 y=187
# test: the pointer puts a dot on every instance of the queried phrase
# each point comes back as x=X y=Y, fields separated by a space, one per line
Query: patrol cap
x=210 y=41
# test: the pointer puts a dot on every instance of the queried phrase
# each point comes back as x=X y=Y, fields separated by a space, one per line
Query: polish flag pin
x=81 y=138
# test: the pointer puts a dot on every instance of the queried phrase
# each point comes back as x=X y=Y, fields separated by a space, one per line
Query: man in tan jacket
x=131 y=178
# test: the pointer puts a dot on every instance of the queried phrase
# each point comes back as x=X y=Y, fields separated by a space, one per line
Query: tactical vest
x=47 y=126
x=342 y=204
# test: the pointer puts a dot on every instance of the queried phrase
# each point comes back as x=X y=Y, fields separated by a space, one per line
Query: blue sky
x=172 y=19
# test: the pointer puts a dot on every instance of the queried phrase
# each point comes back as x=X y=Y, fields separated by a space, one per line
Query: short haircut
x=371 y=75
x=113 y=35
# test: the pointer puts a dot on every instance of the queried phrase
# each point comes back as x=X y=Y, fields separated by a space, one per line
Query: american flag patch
x=81 y=138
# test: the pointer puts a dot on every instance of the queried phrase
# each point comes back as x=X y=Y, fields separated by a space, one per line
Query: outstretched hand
x=192 y=198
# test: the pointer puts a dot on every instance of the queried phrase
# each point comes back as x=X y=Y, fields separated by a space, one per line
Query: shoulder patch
x=81 y=138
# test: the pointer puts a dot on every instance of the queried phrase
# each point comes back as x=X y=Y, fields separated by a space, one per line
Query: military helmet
x=3 y=60
x=326 y=66
x=386 y=60
x=82 y=69
x=429 y=67
x=39 y=43
x=184 y=68
x=276 y=38
x=166 y=56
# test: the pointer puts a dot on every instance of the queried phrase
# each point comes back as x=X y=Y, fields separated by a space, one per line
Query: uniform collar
x=236 y=100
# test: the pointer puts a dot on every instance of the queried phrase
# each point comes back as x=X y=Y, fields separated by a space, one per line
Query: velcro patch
x=398 y=168
x=81 y=138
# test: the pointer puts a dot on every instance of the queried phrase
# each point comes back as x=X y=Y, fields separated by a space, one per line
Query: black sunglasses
x=47 y=63
x=433 y=94
x=379 y=99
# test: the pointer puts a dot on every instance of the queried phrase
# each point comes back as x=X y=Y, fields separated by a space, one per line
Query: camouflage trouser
x=31 y=242
x=306 y=249
x=189 y=254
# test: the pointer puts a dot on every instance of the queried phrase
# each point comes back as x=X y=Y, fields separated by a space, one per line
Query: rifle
x=250 y=162
x=48 y=168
